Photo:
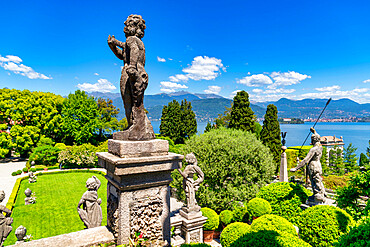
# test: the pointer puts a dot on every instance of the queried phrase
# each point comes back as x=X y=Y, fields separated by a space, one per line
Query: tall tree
x=241 y=116
x=178 y=121
x=80 y=119
x=364 y=161
x=336 y=161
x=350 y=158
x=270 y=134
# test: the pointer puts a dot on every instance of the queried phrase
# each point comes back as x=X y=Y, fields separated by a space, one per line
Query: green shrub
x=273 y=223
x=19 y=172
x=61 y=146
x=196 y=245
x=232 y=232
x=45 y=155
x=25 y=169
x=14 y=173
x=322 y=225
x=79 y=156
x=226 y=217
x=266 y=238
x=358 y=236
x=240 y=213
x=258 y=207
x=45 y=141
x=236 y=165
x=333 y=181
x=33 y=169
x=285 y=198
x=212 y=219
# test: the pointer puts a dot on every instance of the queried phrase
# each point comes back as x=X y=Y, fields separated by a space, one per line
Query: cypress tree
x=188 y=122
x=364 y=161
x=270 y=134
x=350 y=158
x=242 y=117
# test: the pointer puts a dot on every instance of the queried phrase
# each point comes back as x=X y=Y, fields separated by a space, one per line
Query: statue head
x=191 y=159
x=315 y=137
x=2 y=195
x=135 y=26
x=91 y=184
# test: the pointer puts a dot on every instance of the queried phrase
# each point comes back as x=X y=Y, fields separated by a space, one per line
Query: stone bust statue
x=189 y=184
x=312 y=160
x=5 y=221
x=134 y=80
x=91 y=212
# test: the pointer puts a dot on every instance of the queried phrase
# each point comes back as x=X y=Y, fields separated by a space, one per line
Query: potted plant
x=217 y=233
x=211 y=224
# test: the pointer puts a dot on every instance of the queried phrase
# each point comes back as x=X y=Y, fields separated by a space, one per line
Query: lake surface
x=356 y=133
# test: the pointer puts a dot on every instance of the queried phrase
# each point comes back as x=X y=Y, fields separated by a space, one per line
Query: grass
x=55 y=210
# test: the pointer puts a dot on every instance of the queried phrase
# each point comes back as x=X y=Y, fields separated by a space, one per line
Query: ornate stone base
x=192 y=226
x=129 y=149
x=138 y=190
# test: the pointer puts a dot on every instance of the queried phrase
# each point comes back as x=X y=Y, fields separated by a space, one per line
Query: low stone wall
x=84 y=238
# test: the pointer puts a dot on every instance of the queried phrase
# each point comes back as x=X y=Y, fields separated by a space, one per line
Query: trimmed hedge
x=285 y=198
x=272 y=222
x=258 y=207
x=322 y=225
x=226 y=217
x=240 y=213
x=212 y=219
x=267 y=238
x=232 y=232
x=358 y=236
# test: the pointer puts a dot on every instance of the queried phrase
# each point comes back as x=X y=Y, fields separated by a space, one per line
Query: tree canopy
x=242 y=117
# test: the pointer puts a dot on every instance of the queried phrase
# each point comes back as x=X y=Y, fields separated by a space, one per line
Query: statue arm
x=7 y=211
x=182 y=174
x=113 y=43
x=304 y=161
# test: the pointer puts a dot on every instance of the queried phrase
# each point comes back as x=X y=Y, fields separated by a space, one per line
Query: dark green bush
x=240 y=213
x=266 y=238
x=232 y=232
x=45 y=141
x=273 y=223
x=285 y=198
x=358 y=236
x=44 y=155
x=33 y=169
x=14 y=174
x=19 y=172
x=25 y=169
x=258 y=207
x=236 y=165
x=322 y=225
x=226 y=217
x=196 y=245
x=212 y=219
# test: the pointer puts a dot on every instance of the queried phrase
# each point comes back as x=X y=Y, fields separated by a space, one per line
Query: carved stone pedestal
x=192 y=226
x=138 y=188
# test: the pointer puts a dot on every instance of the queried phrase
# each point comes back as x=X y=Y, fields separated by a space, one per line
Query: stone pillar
x=283 y=177
x=192 y=226
x=139 y=174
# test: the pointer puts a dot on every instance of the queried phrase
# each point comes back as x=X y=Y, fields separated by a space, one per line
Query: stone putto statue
x=134 y=80
x=312 y=160
x=91 y=213
x=5 y=220
x=189 y=184
x=31 y=177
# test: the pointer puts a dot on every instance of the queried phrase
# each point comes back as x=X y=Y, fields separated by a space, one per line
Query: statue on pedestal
x=134 y=80
x=5 y=221
x=189 y=184
x=31 y=177
x=91 y=213
x=312 y=160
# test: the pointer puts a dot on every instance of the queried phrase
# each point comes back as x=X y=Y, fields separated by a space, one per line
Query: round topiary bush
x=235 y=163
x=232 y=232
x=266 y=238
x=323 y=224
x=358 y=236
x=258 y=207
x=273 y=223
x=212 y=219
x=285 y=198
x=226 y=217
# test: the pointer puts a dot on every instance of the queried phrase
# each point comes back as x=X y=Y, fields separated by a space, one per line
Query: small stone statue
x=20 y=233
x=91 y=213
x=134 y=80
x=30 y=198
x=190 y=186
x=5 y=221
x=314 y=169
x=31 y=177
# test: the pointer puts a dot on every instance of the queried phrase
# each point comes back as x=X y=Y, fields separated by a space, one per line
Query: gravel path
x=7 y=181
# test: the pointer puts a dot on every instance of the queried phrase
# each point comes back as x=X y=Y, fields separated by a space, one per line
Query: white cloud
x=232 y=95
x=257 y=90
x=358 y=94
x=286 y=78
x=366 y=81
x=278 y=90
x=14 y=64
x=328 y=89
x=96 y=74
x=204 y=68
x=169 y=87
x=361 y=90
x=103 y=86
x=213 y=90
x=269 y=97
x=162 y=60
x=170 y=59
x=178 y=78
x=256 y=80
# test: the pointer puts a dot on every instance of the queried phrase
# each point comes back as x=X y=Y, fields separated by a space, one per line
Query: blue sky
x=271 y=49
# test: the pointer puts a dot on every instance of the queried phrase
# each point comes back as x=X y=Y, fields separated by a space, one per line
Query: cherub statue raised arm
x=312 y=160
x=134 y=80
x=189 y=184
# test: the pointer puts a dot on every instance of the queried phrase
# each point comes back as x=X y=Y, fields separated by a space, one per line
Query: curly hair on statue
x=135 y=26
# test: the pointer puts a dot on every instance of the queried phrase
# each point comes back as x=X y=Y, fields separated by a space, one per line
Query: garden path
x=7 y=181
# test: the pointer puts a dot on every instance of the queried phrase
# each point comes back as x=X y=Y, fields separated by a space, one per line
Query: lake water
x=356 y=133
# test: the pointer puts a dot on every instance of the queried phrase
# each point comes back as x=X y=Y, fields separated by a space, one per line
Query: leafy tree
x=178 y=121
x=364 y=161
x=223 y=119
x=336 y=161
x=81 y=119
x=6 y=143
x=25 y=138
x=270 y=134
x=209 y=127
x=350 y=158
x=241 y=116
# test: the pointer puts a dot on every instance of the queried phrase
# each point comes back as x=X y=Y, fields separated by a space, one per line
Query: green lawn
x=55 y=211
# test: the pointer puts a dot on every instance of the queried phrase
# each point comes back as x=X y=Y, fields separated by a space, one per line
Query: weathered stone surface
x=129 y=149
x=134 y=80
x=283 y=177
x=84 y=238
x=5 y=220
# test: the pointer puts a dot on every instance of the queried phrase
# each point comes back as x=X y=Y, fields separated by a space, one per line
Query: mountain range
x=208 y=106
